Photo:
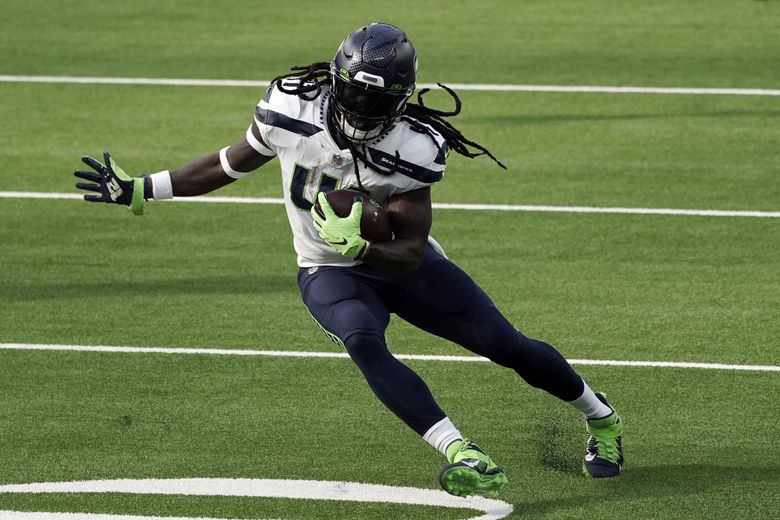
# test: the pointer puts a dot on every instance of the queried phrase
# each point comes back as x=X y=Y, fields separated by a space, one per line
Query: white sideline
x=595 y=89
x=445 y=205
x=282 y=488
x=343 y=355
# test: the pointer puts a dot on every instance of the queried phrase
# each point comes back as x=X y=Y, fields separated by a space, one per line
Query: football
x=374 y=223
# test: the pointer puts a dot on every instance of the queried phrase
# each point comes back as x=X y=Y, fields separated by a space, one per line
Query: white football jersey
x=296 y=131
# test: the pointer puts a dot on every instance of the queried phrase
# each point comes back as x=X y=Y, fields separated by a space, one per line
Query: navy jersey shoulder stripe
x=279 y=120
x=411 y=170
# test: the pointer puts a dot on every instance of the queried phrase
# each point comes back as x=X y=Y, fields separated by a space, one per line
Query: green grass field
x=699 y=443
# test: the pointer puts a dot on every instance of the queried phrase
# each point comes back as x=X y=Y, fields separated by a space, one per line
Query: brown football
x=374 y=223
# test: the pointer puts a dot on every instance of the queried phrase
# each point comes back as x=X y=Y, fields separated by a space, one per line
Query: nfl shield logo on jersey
x=336 y=160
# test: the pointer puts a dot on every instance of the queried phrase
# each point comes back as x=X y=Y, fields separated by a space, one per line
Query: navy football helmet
x=372 y=76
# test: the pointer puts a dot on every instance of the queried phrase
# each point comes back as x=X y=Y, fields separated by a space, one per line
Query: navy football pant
x=353 y=306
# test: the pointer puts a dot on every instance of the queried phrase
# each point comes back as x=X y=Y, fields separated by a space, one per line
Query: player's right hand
x=112 y=184
x=342 y=234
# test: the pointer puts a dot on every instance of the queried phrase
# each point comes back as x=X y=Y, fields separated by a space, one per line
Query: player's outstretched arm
x=218 y=169
x=203 y=175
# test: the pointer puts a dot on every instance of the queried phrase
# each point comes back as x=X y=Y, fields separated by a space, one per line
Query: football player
x=350 y=123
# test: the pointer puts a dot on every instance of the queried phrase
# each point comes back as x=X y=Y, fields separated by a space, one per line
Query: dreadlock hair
x=418 y=113
x=317 y=75
x=312 y=78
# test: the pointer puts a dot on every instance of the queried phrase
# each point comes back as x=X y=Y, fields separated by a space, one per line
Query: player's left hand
x=342 y=234
x=112 y=184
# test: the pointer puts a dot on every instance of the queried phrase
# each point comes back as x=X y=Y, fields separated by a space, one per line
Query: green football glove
x=342 y=234
x=112 y=184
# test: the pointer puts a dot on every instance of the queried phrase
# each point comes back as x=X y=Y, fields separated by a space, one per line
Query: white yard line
x=595 y=89
x=343 y=355
x=244 y=487
x=444 y=205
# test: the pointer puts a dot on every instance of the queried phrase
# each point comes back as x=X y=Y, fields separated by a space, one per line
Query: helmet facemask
x=363 y=112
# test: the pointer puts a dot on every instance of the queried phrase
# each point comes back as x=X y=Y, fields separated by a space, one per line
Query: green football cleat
x=604 y=454
x=470 y=472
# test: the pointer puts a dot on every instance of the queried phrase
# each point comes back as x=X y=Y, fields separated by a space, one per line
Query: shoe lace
x=606 y=446
x=481 y=456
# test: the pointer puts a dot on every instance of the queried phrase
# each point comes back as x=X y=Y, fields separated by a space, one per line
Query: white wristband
x=162 y=188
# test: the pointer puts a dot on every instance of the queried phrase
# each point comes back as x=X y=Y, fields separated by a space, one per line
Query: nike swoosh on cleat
x=342 y=243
